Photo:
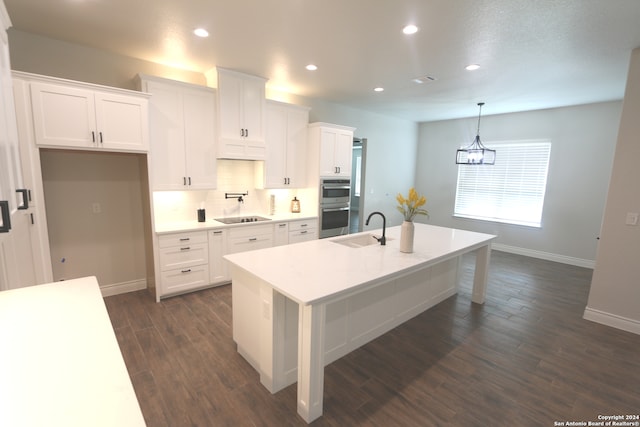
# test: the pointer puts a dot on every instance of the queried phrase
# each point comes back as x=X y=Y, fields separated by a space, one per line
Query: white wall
x=583 y=140
x=108 y=244
x=615 y=289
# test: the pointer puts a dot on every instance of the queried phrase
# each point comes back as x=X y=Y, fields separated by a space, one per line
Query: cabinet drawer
x=250 y=238
x=303 y=235
x=184 y=256
x=180 y=239
x=303 y=224
x=185 y=279
x=250 y=231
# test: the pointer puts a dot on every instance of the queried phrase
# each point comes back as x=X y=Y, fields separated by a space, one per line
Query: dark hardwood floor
x=524 y=358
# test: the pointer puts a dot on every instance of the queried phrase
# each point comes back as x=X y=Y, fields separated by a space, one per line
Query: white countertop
x=60 y=363
x=210 y=223
x=318 y=270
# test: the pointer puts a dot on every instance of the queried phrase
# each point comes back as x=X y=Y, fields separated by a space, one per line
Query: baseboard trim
x=613 y=320
x=578 y=262
x=123 y=287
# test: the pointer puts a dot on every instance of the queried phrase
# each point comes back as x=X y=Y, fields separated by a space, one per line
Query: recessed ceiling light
x=201 y=32
x=472 y=67
x=410 y=29
x=311 y=67
x=378 y=89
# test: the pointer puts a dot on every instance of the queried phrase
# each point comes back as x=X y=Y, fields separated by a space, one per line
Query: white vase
x=406 y=236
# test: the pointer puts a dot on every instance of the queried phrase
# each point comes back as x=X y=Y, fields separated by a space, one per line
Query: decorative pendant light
x=476 y=153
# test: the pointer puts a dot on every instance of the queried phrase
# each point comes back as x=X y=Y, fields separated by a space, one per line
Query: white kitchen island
x=298 y=308
x=60 y=363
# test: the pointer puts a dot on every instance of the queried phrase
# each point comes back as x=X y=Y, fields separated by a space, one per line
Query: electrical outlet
x=632 y=218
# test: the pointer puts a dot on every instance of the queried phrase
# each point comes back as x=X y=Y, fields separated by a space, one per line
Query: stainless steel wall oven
x=335 y=195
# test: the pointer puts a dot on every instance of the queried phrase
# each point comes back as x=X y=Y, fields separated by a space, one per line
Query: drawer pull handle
x=253 y=239
x=303 y=225
x=217 y=232
x=282 y=225
x=185 y=239
x=185 y=249
x=188 y=270
x=303 y=232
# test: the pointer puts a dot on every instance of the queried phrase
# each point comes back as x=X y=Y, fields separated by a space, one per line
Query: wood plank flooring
x=524 y=358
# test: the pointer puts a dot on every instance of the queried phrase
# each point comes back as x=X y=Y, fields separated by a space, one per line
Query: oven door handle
x=336 y=187
x=335 y=209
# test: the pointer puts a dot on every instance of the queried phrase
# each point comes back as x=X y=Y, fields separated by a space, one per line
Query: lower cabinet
x=218 y=271
x=184 y=262
x=195 y=259
x=303 y=230
x=249 y=238
x=281 y=234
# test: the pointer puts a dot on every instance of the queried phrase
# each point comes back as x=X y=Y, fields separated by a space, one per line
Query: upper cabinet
x=331 y=149
x=241 y=116
x=73 y=115
x=285 y=165
x=183 y=138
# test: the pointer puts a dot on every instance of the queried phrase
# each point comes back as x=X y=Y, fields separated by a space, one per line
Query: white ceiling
x=534 y=53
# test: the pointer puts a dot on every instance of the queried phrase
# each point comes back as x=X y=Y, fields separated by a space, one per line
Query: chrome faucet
x=383 y=239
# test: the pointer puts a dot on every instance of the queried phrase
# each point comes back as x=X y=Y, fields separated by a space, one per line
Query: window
x=512 y=190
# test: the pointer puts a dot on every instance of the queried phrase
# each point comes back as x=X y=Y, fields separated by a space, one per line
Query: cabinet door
x=276 y=153
x=296 y=152
x=343 y=153
x=167 y=154
x=241 y=104
x=253 y=107
x=122 y=122
x=63 y=116
x=281 y=234
x=230 y=123
x=200 y=138
x=218 y=270
x=328 y=138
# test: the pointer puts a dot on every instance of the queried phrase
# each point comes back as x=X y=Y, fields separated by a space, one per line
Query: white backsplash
x=234 y=176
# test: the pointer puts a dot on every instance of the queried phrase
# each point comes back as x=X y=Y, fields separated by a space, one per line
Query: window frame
x=534 y=195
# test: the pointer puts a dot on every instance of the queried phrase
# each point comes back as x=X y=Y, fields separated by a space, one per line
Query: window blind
x=510 y=191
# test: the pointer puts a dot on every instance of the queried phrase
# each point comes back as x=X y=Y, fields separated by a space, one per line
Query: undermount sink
x=359 y=240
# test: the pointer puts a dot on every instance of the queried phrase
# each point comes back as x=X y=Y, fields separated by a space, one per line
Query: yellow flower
x=410 y=207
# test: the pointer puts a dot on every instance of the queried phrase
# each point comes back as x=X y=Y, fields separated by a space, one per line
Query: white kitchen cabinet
x=331 y=148
x=303 y=230
x=250 y=237
x=36 y=225
x=218 y=270
x=183 y=138
x=184 y=262
x=16 y=269
x=281 y=234
x=73 y=115
x=241 y=116
x=285 y=165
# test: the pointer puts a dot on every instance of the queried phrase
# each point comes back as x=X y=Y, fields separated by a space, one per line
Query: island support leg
x=483 y=256
x=311 y=330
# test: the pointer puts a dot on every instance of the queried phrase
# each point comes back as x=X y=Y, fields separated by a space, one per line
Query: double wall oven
x=335 y=195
